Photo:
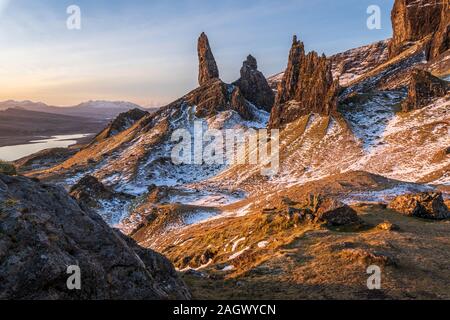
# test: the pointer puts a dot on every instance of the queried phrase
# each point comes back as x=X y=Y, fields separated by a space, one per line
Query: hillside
x=362 y=172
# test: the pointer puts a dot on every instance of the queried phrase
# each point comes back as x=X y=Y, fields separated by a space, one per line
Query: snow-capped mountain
x=90 y=109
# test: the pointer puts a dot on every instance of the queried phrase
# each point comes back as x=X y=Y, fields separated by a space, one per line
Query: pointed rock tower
x=254 y=85
x=307 y=87
x=207 y=64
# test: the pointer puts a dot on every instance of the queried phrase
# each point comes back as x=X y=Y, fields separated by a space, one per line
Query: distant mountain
x=91 y=109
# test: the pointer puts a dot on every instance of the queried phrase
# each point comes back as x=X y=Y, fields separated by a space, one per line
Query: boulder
x=427 y=205
x=7 y=168
x=336 y=213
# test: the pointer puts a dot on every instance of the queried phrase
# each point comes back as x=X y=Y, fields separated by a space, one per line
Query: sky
x=144 y=51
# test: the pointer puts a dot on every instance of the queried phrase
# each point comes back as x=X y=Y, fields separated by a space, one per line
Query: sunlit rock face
x=423 y=89
x=307 y=87
x=207 y=64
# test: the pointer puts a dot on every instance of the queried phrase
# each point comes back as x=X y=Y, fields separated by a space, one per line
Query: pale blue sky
x=145 y=51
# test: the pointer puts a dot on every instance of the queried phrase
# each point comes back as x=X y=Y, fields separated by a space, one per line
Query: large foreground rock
x=336 y=213
x=427 y=205
x=43 y=231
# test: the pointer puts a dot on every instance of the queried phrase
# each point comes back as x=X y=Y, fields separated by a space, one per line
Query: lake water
x=11 y=153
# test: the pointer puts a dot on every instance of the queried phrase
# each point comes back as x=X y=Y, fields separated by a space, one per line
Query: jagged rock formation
x=348 y=66
x=217 y=96
x=44 y=159
x=43 y=231
x=413 y=20
x=121 y=123
x=423 y=89
x=307 y=87
x=207 y=64
x=254 y=86
x=428 y=205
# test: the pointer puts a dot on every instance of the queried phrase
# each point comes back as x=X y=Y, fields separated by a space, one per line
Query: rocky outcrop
x=254 y=86
x=336 y=213
x=217 y=96
x=43 y=231
x=427 y=205
x=413 y=20
x=307 y=87
x=207 y=64
x=441 y=38
x=424 y=88
x=121 y=123
x=89 y=191
x=321 y=209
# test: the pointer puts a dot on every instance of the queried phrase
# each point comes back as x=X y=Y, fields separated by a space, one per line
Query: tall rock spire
x=207 y=64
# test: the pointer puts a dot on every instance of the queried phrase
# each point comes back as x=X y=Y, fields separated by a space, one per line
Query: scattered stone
x=426 y=205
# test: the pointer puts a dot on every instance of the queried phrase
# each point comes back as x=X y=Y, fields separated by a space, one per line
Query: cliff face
x=307 y=87
x=423 y=89
x=207 y=64
x=413 y=20
x=254 y=86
